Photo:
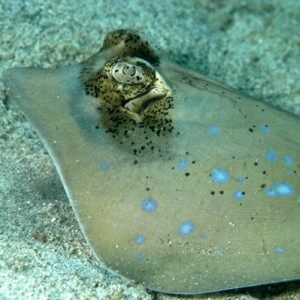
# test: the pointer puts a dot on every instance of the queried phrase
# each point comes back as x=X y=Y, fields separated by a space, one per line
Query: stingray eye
x=127 y=73
x=124 y=77
x=131 y=86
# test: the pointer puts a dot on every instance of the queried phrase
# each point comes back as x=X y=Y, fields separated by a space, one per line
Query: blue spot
x=139 y=240
x=104 y=166
x=222 y=251
x=220 y=176
x=204 y=235
x=214 y=130
x=186 y=228
x=265 y=129
x=149 y=205
x=298 y=199
x=270 y=192
x=280 y=249
x=271 y=156
x=140 y=256
x=241 y=179
x=182 y=164
x=288 y=160
x=239 y=195
x=280 y=190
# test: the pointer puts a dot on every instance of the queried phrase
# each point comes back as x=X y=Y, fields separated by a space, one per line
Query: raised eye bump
x=126 y=42
x=123 y=76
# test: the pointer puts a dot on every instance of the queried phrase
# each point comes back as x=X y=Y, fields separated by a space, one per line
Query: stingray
x=178 y=182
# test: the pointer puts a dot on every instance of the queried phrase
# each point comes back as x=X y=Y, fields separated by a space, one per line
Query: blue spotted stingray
x=178 y=182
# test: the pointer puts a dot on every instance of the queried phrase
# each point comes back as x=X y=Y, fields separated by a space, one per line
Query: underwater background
x=253 y=46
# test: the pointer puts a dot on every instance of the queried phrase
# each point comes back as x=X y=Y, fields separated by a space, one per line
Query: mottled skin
x=196 y=191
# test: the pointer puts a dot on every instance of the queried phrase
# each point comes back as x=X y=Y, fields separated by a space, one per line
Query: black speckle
x=187 y=174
